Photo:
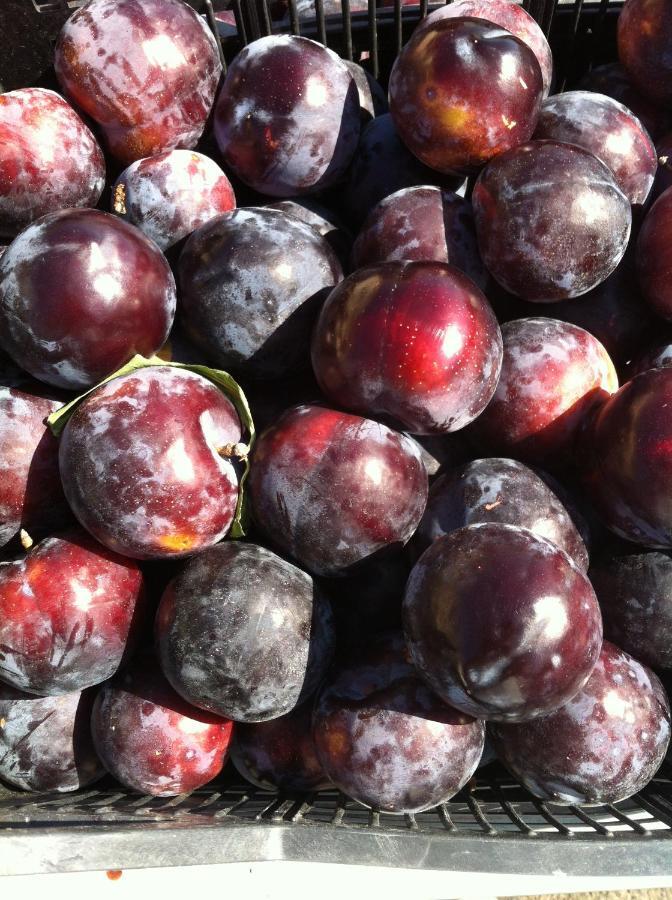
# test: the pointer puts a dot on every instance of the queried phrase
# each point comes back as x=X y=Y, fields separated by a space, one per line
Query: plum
x=147 y=463
x=463 y=91
x=49 y=160
x=608 y=130
x=612 y=80
x=146 y=71
x=499 y=490
x=627 y=460
x=323 y=220
x=243 y=633
x=372 y=99
x=81 y=292
x=70 y=615
x=553 y=375
x=45 y=742
x=421 y=223
x=508 y=15
x=603 y=746
x=382 y=166
x=280 y=754
x=413 y=341
x=287 y=117
x=653 y=267
x=386 y=740
x=169 y=195
x=634 y=588
x=551 y=221
x=151 y=740
x=251 y=285
x=501 y=623
x=333 y=489
x=31 y=496
x=645 y=47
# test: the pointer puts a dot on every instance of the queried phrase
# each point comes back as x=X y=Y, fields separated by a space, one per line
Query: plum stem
x=239 y=451
x=119 y=199
x=26 y=540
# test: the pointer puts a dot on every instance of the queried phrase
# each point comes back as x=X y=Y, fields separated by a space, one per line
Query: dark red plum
x=169 y=195
x=627 y=463
x=463 y=91
x=251 y=286
x=81 y=292
x=31 y=495
x=151 y=740
x=653 y=256
x=507 y=15
x=280 y=755
x=612 y=80
x=146 y=71
x=332 y=489
x=147 y=463
x=49 y=160
x=421 y=223
x=372 y=99
x=553 y=375
x=70 y=614
x=501 y=623
x=645 y=47
x=287 y=117
x=603 y=746
x=498 y=490
x=323 y=220
x=413 y=341
x=635 y=593
x=243 y=633
x=382 y=166
x=45 y=742
x=551 y=221
x=608 y=130
x=386 y=740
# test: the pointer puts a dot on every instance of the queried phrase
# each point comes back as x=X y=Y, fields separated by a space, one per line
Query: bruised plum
x=252 y=283
x=70 y=614
x=243 y=633
x=45 y=742
x=151 y=740
x=49 y=160
x=603 y=746
x=645 y=47
x=653 y=266
x=501 y=623
x=386 y=740
x=333 y=489
x=499 y=490
x=287 y=117
x=280 y=754
x=147 y=463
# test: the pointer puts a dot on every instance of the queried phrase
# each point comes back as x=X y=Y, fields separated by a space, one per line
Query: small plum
x=645 y=47
x=653 y=267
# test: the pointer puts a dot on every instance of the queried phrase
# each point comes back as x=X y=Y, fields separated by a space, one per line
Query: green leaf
x=227 y=385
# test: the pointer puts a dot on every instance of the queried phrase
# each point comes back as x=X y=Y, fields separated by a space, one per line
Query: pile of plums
x=452 y=522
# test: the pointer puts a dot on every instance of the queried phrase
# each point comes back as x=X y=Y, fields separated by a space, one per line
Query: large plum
x=333 y=489
x=81 y=292
x=413 y=341
x=49 y=160
x=251 y=286
x=147 y=463
x=145 y=70
x=645 y=47
x=287 y=117
x=603 y=746
x=243 y=633
x=653 y=265
x=386 y=740
x=501 y=622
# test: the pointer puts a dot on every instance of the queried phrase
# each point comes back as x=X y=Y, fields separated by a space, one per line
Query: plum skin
x=243 y=633
x=644 y=38
x=544 y=625
x=81 y=292
x=50 y=160
x=612 y=80
x=141 y=465
x=386 y=740
x=161 y=97
x=463 y=91
x=333 y=489
x=652 y=254
x=413 y=341
x=603 y=746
